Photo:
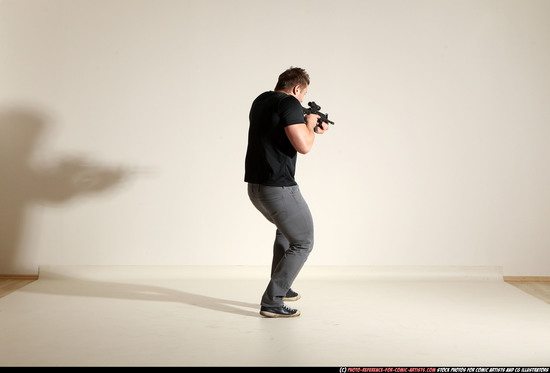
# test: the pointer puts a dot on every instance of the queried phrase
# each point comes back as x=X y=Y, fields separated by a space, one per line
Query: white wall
x=123 y=127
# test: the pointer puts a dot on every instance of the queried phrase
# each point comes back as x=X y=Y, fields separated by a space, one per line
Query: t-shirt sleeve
x=291 y=111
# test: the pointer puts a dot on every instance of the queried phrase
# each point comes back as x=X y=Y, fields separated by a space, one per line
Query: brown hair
x=292 y=77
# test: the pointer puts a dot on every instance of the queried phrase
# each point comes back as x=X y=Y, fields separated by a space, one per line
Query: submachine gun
x=314 y=109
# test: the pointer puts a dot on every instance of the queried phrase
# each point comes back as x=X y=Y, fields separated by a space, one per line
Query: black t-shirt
x=270 y=157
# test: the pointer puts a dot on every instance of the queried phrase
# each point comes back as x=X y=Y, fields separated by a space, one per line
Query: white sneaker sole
x=274 y=315
x=292 y=299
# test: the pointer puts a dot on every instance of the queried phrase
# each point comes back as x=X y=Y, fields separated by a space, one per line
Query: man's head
x=293 y=81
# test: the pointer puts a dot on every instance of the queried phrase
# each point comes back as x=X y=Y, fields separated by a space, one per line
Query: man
x=278 y=131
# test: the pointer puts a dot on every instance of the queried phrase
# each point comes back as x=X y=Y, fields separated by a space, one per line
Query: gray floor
x=208 y=316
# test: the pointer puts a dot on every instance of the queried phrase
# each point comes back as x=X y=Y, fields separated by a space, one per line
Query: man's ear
x=296 y=89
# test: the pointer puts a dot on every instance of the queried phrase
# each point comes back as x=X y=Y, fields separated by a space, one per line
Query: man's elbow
x=304 y=149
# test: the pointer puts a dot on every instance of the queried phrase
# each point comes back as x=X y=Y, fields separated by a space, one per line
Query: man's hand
x=312 y=121
x=322 y=121
x=322 y=128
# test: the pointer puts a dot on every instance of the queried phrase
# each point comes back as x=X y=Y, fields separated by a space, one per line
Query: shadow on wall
x=24 y=182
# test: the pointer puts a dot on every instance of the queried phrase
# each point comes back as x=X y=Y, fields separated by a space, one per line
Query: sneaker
x=281 y=311
x=291 y=295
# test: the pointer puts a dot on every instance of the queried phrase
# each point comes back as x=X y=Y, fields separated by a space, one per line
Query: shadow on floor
x=67 y=286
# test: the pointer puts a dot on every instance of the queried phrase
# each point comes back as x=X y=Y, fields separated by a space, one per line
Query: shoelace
x=288 y=309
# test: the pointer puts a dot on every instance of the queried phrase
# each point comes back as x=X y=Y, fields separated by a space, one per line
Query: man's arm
x=302 y=135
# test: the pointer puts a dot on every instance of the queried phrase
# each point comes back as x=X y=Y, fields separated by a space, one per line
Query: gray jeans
x=286 y=208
